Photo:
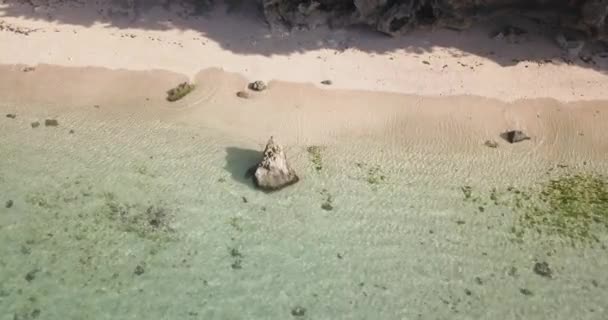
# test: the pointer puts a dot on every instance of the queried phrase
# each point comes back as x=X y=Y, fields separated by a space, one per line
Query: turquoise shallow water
x=129 y=219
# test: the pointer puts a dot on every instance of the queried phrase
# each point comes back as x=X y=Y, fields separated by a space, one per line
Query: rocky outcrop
x=396 y=17
x=274 y=172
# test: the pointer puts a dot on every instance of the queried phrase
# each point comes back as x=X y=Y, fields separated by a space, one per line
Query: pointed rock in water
x=513 y=136
x=273 y=172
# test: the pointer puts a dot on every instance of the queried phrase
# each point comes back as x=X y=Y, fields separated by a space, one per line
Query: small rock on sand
x=514 y=136
x=11 y=116
x=51 y=122
x=242 y=94
x=273 y=172
x=257 y=86
x=35 y=124
x=327 y=82
x=9 y=204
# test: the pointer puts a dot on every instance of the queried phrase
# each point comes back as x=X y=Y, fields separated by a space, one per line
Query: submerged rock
x=274 y=172
x=257 y=86
x=514 y=136
x=51 y=122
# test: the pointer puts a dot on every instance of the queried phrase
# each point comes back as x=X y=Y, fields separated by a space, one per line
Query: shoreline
x=425 y=63
x=303 y=114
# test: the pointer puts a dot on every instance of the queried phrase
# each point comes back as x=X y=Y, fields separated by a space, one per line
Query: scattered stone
x=542 y=269
x=243 y=94
x=327 y=82
x=468 y=292
x=274 y=172
x=327 y=206
x=478 y=280
x=11 y=116
x=525 y=292
x=139 y=270
x=35 y=124
x=257 y=86
x=28 y=69
x=514 y=136
x=71 y=131
x=96 y=106
x=237 y=264
x=426 y=62
x=30 y=276
x=35 y=313
x=180 y=91
x=51 y=123
x=244 y=200
x=298 y=311
x=491 y=144
x=9 y=204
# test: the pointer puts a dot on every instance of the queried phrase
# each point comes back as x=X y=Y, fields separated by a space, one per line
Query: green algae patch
x=574 y=207
x=180 y=91
x=314 y=152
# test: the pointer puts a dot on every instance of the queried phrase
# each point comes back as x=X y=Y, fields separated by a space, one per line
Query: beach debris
x=51 y=123
x=542 y=269
x=257 y=86
x=11 y=116
x=35 y=124
x=514 y=136
x=327 y=82
x=243 y=94
x=180 y=91
x=139 y=270
x=298 y=311
x=9 y=204
x=491 y=144
x=28 y=69
x=273 y=172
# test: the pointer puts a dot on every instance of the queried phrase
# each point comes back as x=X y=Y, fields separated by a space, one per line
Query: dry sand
x=439 y=62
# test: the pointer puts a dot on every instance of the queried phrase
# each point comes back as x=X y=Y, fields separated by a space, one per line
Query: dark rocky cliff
x=396 y=17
